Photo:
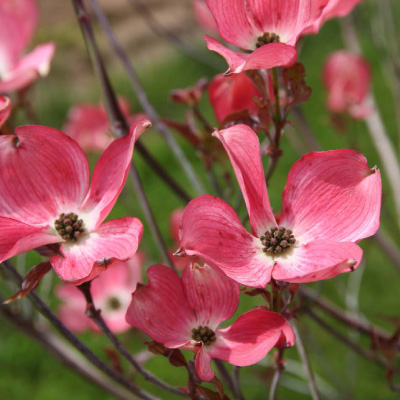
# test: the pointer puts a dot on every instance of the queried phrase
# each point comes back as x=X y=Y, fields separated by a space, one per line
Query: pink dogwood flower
x=18 y=19
x=231 y=94
x=88 y=124
x=46 y=198
x=269 y=29
x=5 y=109
x=347 y=76
x=111 y=292
x=331 y=201
x=334 y=9
x=186 y=313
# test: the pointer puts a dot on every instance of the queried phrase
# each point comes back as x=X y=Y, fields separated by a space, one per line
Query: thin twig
x=226 y=377
x=166 y=34
x=277 y=376
x=95 y=316
x=67 y=354
x=75 y=342
x=118 y=123
x=144 y=101
x=358 y=324
x=306 y=362
x=368 y=354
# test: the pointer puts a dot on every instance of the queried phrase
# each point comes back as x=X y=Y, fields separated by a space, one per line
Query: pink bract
x=334 y=9
x=268 y=28
x=231 y=94
x=171 y=310
x=45 y=198
x=347 y=76
x=111 y=292
x=89 y=125
x=5 y=109
x=18 y=19
x=331 y=201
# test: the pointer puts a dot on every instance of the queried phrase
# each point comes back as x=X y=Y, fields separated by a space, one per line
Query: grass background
x=28 y=371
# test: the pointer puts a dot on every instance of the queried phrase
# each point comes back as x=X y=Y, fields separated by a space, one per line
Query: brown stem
x=144 y=101
x=118 y=122
x=75 y=342
x=95 y=315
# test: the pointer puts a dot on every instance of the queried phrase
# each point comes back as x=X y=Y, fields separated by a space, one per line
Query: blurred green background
x=28 y=371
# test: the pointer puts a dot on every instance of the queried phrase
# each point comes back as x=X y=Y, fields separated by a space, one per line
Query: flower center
x=277 y=240
x=267 y=38
x=203 y=334
x=113 y=303
x=69 y=227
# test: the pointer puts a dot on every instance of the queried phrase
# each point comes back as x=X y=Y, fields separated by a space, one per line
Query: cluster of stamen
x=203 y=334
x=69 y=226
x=113 y=303
x=277 y=240
x=267 y=38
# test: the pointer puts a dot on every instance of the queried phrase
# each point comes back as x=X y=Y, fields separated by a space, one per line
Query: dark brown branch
x=75 y=342
x=95 y=316
x=66 y=354
x=118 y=122
x=362 y=326
x=368 y=354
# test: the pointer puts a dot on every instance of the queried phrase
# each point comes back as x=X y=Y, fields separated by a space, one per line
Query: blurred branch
x=306 y=362
x=368 y=354
x=118 y=122
x=358 y=324
x=305 y=129
x=74 y=341
x=164 y=33
x=66 y=354
x=144 y=101
x=95 y=315
x=375 y=125
x=233 y=386
x=388 y=246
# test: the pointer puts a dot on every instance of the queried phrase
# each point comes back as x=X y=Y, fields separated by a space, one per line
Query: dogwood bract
x=45 y=198
x=18 y=19
x=186 y=312
x=267 y=28
x=331 y=201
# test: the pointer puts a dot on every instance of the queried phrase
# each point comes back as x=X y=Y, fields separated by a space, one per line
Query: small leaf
x=31 y=281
